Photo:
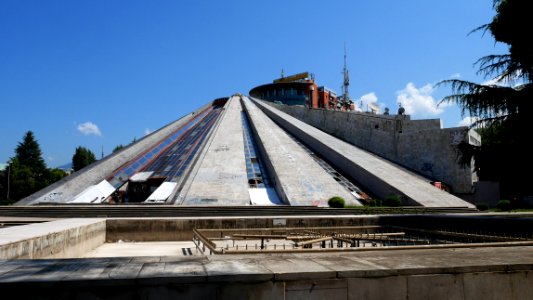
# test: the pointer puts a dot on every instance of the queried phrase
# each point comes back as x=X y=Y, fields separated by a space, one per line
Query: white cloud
x=418 y=102
x=506 y=82
x=147 y=131
x=493 y=81
x=455 y=76
x=369 y=98
x=467 y=121
x=366 y=100
x=51 y=158
x=89 y=128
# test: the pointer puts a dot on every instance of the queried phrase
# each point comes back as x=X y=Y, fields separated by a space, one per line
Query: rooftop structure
x=302 y=90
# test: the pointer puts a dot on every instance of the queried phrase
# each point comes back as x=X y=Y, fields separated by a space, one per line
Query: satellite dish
x=373 y=107
x=401 y=110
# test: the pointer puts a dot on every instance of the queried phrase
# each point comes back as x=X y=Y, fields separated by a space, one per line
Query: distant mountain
x=65 y=167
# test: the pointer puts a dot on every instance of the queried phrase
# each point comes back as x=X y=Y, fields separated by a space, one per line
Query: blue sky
x=101 y=73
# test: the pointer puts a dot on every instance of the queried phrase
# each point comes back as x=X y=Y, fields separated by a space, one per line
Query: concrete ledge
x=446 y=273
x=71 y=237
x=180 y=229
x=419 y=274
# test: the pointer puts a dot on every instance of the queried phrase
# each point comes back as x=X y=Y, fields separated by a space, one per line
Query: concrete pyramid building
x=240 y=151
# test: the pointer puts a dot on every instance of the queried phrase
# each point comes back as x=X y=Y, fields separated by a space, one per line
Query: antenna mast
x=346 y=82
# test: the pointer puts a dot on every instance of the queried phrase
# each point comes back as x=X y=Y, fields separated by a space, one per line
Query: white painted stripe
x=95 y=193
x=162 y=193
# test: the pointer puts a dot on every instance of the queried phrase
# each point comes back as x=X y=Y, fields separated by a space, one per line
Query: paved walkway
x=271 y=267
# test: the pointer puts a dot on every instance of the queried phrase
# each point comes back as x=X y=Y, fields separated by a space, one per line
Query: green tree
x=27 y=171
x=23 y=181
x=3 y=186
x=28 y=153
x=503 y=107
x=82 y=158
x=56 y=175
x=118 y=148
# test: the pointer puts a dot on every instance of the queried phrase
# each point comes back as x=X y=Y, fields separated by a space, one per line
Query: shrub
x=337 y=202
x=504 y=205
x=393 y=201
x=374 y=202
x=482 y=206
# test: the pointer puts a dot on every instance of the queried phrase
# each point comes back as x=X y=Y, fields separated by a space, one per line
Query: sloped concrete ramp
x=376 y=174
x=299 y=179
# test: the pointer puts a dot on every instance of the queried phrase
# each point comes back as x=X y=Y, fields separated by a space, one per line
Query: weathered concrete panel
x=180 y=229
x=243 y=270
x=221 y=177
x=521 y=285
x=378 y=288
x=69 y=237
x=317 y=289
x=173 y=291
x=293 y=268
x=299 y=180
x=376 y=174
x=467 y=273
x=488 y=286
x=435 y=286
x=173 y=272
x=260 y=291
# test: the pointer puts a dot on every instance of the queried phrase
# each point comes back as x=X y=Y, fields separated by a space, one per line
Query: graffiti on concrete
x=53 y=197
x=457 y=137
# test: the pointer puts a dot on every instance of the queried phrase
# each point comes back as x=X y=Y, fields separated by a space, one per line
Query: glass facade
x=171 y=156
x=175 y=160
x=294 y=93
x=257 y=177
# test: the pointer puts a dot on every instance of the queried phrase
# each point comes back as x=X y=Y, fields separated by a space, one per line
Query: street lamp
x=8 y=177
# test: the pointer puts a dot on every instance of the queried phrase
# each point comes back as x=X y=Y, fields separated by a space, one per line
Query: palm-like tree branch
x=483 y=101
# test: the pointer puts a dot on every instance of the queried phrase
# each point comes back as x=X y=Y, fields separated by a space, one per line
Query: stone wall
x=419 y=145
x=203 y=279
x=181 y=229
x=56 y=239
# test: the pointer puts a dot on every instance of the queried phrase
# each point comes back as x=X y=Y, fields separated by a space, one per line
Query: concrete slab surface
x=131 y=249
x=221 y=175
x=299 y=179
x=18 y=233
x=173 y=272
x=466 y=273
x=279 y=266
x=380 y=176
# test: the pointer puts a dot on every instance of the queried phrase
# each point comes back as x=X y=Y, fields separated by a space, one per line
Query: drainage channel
x=341 y=179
